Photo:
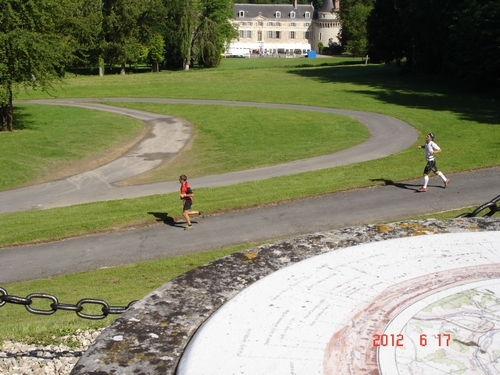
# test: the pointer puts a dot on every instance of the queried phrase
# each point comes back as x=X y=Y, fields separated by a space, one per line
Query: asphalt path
x=168 y=135
x=356 y=207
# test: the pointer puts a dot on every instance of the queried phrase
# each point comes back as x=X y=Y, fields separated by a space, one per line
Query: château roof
x=327 y=6
x=269 y=11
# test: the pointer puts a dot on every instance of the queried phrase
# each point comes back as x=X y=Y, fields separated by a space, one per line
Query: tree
x=121 y=31
x=84 y=25
x=354 y=15
x=152 y=31
x=188 y=23
x=214 y=31
x=385 y=31
x=473 y=47
x=453 y=38
x=33 y=53
x=197 y=31
x=156 y=52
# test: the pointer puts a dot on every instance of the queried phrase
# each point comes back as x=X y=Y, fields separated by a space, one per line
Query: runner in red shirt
x=187 y=201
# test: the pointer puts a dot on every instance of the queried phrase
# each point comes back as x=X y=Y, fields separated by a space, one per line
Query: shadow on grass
x=108 y=71
x=413 y=90
x=21 y=119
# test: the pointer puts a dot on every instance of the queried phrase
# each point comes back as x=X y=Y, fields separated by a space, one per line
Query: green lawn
x=49 y=139
x=466 y=127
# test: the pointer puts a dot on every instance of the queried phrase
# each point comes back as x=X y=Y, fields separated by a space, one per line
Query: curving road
x=167 y=136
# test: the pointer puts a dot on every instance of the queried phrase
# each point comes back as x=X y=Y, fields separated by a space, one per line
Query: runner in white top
x=431 y=148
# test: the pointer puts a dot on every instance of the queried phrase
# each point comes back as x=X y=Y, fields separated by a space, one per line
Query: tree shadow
x=22 y=119
x=94 y=71
x=412 y=90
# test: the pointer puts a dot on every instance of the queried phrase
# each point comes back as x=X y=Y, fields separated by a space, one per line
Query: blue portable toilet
x=311 y=54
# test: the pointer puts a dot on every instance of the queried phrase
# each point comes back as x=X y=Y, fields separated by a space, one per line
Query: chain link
x=492 y=206
x=55 y=305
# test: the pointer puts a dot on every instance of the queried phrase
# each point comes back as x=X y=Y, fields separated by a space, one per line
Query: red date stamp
x=442 y=339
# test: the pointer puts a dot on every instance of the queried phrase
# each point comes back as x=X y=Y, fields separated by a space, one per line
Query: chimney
x=294 y=4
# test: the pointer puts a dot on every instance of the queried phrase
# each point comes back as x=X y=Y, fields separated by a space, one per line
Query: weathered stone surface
x=151 y=336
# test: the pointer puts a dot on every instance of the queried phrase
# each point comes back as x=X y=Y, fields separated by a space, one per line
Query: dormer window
x=307 y=15
x=292 y=14
x=278 y=14
x=241 y=13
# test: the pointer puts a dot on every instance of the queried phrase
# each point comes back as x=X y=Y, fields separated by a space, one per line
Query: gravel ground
x=20 y=359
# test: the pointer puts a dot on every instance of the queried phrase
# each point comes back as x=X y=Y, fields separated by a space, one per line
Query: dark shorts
x=187 y=204
x=430 y=166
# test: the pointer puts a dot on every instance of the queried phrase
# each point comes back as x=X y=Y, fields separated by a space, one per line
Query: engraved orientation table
x=378 y=299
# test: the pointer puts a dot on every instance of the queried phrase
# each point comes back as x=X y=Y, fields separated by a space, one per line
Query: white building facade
x=281 y=28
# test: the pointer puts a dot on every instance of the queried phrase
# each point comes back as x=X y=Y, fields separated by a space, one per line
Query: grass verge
x=50 y=142
x=117 y=286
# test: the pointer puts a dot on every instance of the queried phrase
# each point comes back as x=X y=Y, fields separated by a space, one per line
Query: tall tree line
x=40 y=39
x=455 y=38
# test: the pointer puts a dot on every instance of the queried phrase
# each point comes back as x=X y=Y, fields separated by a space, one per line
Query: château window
x=292 y=14
x=278 y=14
x=307 y=15
x=241 y=13
x=271 y=34
x=245 y=34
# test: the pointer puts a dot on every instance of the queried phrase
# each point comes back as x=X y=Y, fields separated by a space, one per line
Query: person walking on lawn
x=431 y=148
x=187 y=201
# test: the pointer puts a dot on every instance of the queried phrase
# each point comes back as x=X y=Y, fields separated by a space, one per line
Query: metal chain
x=492 y=206
x=55 y=305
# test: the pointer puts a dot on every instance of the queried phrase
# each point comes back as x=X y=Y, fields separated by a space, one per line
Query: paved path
x=332 y=211
x=168 y=135
x=396 y=200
